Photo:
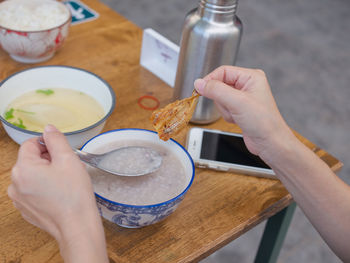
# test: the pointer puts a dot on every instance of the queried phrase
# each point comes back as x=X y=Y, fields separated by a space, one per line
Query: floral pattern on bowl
x=35 y=46
x=135 y=216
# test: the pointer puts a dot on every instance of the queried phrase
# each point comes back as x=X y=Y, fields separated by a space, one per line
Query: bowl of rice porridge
x=137 y=201
x=32 y=31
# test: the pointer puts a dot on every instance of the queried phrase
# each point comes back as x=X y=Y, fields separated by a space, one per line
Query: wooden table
x=218 y=208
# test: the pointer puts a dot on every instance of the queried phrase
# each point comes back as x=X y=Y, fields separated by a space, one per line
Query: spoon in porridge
x=124 y=161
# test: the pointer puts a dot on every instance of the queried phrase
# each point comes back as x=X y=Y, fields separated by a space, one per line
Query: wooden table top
x=218 y=208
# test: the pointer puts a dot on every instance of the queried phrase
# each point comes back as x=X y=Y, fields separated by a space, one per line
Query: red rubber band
x=139 y=101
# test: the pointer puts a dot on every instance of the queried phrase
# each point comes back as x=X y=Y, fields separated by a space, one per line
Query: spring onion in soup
x=67 y=109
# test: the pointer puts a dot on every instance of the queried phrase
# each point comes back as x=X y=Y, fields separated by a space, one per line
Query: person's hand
x=52 y=190
x=244 y=97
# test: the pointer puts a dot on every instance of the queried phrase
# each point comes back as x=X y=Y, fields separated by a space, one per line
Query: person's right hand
x=53 y=191
x=244 y=97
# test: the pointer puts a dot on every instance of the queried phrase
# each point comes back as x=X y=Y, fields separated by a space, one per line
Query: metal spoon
x=149 y=160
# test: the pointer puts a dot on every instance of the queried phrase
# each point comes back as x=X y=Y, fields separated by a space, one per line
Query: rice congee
x=160 y=186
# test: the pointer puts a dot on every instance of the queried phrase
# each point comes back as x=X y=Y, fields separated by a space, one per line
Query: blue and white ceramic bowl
x=134 y=216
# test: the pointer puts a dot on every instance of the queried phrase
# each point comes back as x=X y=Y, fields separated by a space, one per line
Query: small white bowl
x=44 y=77
x=37 y=45
x=135 y=216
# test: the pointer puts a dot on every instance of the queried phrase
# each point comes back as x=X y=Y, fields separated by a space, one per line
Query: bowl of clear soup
x=76 y=101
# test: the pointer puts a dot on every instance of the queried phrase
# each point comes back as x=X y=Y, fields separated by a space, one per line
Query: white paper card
x=159 y=55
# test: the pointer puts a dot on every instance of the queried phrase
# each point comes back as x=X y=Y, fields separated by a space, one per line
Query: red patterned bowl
x=34 y=46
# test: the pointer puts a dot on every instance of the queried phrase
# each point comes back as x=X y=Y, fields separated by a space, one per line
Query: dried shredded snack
x=171 y=119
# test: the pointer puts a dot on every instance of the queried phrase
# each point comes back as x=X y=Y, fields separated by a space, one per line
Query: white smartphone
x=224 y=151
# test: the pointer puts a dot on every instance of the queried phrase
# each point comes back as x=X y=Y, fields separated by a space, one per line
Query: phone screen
x=229 y=149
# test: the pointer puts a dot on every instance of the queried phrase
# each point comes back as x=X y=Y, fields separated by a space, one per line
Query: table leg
x=275 y=231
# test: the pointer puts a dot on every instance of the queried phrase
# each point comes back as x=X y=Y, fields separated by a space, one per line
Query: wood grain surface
x=218 y=208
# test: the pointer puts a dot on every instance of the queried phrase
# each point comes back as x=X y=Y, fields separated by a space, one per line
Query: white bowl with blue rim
x=135 y=216
x=67 y=77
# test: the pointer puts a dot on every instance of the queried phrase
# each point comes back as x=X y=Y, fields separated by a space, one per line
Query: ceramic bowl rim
x=66 y=133
x=153 y=205
x=47 y=29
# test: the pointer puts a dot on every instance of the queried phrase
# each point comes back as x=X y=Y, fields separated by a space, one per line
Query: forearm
x=324 y=198
x=84 y=241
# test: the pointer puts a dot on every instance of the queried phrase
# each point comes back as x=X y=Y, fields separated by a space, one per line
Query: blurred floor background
x=304 y=48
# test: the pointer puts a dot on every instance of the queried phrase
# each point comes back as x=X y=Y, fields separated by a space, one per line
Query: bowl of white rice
x=137 y=201
x=31 y=31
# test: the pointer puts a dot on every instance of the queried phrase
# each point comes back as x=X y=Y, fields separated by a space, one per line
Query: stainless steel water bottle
x=210 y=38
